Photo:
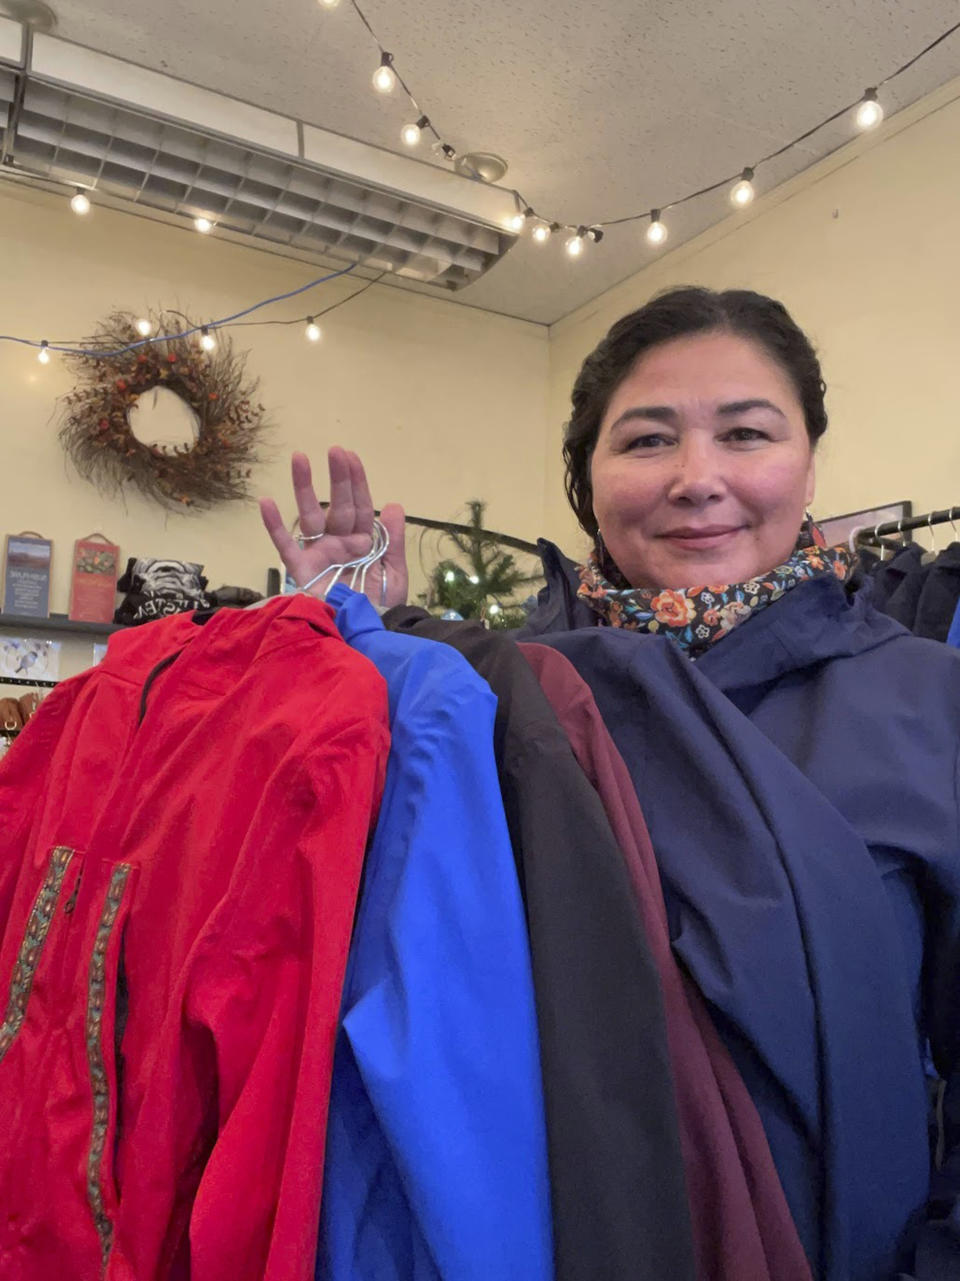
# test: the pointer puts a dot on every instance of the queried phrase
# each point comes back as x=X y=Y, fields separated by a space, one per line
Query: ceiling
x=602 y=109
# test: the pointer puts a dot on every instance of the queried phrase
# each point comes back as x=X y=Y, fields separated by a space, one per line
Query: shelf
x=57 y=623
x=25 y=682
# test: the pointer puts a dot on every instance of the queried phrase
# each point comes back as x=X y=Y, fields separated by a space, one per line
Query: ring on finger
x=310 y=538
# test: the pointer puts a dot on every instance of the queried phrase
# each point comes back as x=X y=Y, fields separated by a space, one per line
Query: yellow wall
x=864 y=249
x=444 y=402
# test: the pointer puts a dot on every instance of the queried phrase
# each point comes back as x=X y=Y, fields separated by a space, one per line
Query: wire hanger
x=360 y=567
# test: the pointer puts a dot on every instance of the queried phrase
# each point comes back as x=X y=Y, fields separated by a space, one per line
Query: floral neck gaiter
x=697 y=617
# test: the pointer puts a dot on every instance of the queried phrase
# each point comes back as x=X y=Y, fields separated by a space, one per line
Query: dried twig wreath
x=96 y=432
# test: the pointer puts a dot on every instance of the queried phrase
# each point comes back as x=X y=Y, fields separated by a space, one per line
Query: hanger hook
x=877 y=539
x=933 y=537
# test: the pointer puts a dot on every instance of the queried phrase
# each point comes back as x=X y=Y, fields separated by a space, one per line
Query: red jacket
x=181 y=836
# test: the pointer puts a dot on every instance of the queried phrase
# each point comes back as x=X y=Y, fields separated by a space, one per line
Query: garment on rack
x=742 y=1224
x=939 y=595
x=618 y=1189
x=436 y=1151
x=871 y=716
x=181 y=837
x=898 y=582
x=157 y=588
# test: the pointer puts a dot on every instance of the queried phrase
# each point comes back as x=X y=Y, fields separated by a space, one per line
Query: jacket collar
x=817 y=621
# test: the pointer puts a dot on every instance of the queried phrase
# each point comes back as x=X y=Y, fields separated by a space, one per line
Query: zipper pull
x=71 y=902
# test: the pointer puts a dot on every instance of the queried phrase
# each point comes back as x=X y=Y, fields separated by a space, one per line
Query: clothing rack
x=873 y=534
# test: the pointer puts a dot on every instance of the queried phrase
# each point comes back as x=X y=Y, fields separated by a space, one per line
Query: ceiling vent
x=138 y=137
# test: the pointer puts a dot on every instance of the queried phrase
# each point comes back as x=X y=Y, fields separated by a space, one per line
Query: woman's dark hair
x=677 y=314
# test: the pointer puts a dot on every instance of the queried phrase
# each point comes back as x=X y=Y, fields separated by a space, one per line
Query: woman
x=690 y=460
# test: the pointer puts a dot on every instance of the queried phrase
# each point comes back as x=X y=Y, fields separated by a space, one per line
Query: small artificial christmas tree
x=484 y=584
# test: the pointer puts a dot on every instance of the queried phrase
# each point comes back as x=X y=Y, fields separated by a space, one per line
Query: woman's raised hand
x=346 y=528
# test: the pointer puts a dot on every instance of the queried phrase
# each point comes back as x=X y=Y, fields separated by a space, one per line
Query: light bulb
x=657 y=231
x=516 y=223
x=450 y=576
x=207 y=340
x=869 y=113
x=742 y=192
x=474 y=579
x=410 y=135
x=43 y=355
x=328 y=4
x=385 y=78
x=203 y=224
x=494 y=608
x=144 y=328
x=574 y=246
x=80 y=204
x=312 y=331
x=541 y=233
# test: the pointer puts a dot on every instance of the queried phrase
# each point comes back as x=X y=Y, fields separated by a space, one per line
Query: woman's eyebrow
x=655 y=413
x=743 y=406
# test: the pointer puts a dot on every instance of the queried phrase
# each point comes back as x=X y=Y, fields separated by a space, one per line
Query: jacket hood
x=816 y=621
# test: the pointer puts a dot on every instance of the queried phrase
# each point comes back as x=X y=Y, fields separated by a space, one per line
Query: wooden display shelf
x=57 y=623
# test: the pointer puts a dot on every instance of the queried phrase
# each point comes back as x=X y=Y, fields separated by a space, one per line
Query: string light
x=450 y=576
x=79 y=348
x=474 y=579
x=493 y=608
x=312 y=331
x=869 y=113
x=410 y=134
x=385 y=78
x=80 y=204
x=43 y=355
x=516 y=222
x=203 y=225
x=574 y=245
x=657 y=231
x=144 y=328
x=207 y=340
x=328 y=4
x=742 y=192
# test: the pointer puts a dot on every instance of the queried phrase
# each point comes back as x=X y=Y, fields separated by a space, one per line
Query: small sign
x=26 y=578
x=28 y=658
x=94 y=587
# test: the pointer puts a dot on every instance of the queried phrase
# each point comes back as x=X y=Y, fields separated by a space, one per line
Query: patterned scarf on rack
x=697 y=617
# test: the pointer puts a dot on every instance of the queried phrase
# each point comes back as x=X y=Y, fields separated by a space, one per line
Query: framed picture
x=29 y=658
x=94 y=589
x=839 y=529
x=26 y=575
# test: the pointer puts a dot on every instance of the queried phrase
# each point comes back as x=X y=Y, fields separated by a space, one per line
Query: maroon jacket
x=181 y=836
x=742 y=1226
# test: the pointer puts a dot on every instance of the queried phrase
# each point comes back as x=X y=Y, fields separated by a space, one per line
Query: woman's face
x=703 y=468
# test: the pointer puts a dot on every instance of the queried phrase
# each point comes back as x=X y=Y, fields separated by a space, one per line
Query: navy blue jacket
x=822 y=922
x=436 y=1163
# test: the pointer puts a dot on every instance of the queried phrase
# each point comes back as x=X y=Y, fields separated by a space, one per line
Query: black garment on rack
x=939 y=596
x=897 y=584
x=618 y=1188
x=921 y=596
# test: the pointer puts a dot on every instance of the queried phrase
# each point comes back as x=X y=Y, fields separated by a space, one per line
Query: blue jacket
x=823 y=921
x=436 y=1163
